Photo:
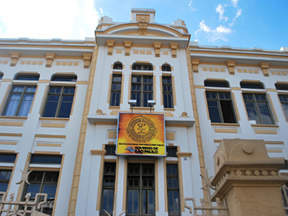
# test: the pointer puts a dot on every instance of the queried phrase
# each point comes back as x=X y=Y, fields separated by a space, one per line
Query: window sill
x=169 y=109
x=265 y=125
x=114 y=107
x=226 y=124
x=143 y=108
x=14 y=117
x=53 y=119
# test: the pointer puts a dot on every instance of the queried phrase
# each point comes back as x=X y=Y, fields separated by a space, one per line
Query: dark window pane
x=31 y=77
x=46 y=159
x=281 y=86
x=117 y=66
x=7 y=158
x=251 y=85
x=213 y=83
x=65 y=78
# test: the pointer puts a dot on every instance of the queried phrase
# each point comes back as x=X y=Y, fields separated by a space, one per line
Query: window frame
x=284 y=103
x=115 y=91
x=167 y=94
x=108 y=175
x=220 y=110
x=21 y=101
x=60 y=100
x=257 y=109
x=175 y=189
x=142 y=91
x=141 y=188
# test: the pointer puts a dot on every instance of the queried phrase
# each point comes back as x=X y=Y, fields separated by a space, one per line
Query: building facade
x=61 y=104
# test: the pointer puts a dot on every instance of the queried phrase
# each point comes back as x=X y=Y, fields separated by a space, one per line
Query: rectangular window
x=284 y=103
x=167 y=92
x=108 y=188
x=19 y=101
x=258 y=108
x=173 y=190
x=59 y=101
x=116 y=90
x=142 y=89
x=140 y=190
x=4 y=179
x=220 y=107
x=43 y=182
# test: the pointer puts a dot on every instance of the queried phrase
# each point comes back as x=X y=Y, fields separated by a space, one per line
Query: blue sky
x=235 y=23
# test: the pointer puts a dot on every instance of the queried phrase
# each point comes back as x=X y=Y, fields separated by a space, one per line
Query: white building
x=60 y=103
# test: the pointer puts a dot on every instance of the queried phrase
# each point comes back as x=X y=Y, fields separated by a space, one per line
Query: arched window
x=251 y=85
x=216 y=83
x=118 y=66
x=27 y=76
x=281 y=86
x=142 y=66
x=166 y=67
x=64 y=78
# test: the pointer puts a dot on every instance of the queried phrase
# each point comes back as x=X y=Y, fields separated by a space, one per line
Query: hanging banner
x=141 y=134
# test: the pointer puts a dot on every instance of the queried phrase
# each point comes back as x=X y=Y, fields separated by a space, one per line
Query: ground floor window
x=140 y=190
x=108 y=188
x=173 y=190
x=43 y=182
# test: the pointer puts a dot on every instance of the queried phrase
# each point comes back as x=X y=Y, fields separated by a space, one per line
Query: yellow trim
x=11 y=134
x=199 y=87
x=34 y=98
x=165 y=185
x=112 y=134
x=272 y=108
x=235 y=106
x=7 y=151
x=11 y=124
x=181 y=191
x=50 y=136
x=53 y=125
x=47 y=153
x=14 y=117
x=82 y=82
x=101 y=172
x=8 y=89
x=161 y=90
x=274 y=142
x=43 y=103
x=44 y=81
x=156 y=185
x=53 y=119
x=271 y=90
x=236 y=88
x=226 y=124
x=8 y=143
x=49 y=145
x=170 y=136
x=174 y=91
x=58 y=185
x=6 y=80
x=109 y=88
x=116 y=186
x=82 y=137
x=74 y=100
x=225 y=130
x=264 y=125
x=265 y=132
x=125 y=183
x=129 y=87
x=98 y=152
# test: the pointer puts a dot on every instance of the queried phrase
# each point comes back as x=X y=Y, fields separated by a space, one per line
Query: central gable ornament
x=143 y=21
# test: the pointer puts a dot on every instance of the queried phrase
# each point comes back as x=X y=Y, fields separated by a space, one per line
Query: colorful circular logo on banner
x=141 y=129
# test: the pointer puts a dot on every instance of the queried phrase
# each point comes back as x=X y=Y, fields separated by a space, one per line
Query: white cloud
x=234 y=3
x=67 y=19
x=220 y=9
x=239 y=12
x=222 y=29
x=212 y=35
x=190 y=6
